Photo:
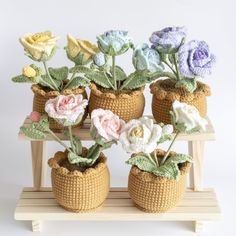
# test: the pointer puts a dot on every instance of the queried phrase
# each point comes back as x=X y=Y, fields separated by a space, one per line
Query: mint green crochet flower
x=114 y=42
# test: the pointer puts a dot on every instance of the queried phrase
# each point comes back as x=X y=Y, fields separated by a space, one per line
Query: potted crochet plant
x=50 y=82
x=157 y=179
x=185 y=63
x=111 y=87
x=80 y=176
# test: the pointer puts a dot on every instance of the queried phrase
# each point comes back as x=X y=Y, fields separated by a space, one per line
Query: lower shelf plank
x=40 y=206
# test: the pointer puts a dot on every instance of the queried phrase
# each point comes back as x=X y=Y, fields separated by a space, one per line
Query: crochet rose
x=114 y=42
x=80 y=51
x=108 y=125
x=40 y=46
x=66 y=110
x=145 y=58
x=168 y=38
x=195 y=59
x=187 y=117
x=140 y=135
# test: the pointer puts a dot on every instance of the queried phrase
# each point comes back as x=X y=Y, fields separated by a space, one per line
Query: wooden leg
x=38 y=149
x=198 y=226
x=36 y=226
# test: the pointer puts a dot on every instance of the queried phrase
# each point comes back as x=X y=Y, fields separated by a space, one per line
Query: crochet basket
x=79 y=191
x=165 y=93
x=126 y=104
x=152 y=193
x=42 y=95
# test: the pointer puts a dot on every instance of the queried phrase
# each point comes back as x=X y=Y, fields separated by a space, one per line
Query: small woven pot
x=152 y=193
x=165 y=93
x=42 y=95
x=127 y=105
x=78 y=191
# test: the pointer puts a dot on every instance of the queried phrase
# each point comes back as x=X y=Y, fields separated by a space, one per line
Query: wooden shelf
x=38 y=206
x=83 y=133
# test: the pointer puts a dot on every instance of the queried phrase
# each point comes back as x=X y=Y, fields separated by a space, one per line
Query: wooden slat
x=83 y=133
x=40 y=205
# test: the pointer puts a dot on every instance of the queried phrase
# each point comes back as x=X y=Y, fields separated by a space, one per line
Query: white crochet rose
x=140 y=136
x=39 y=46
x=188 y=116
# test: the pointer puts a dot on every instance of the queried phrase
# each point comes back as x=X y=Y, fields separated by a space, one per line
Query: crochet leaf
x=142 y=162
x=120 y=74
x=25 y=79
x=100 y=78
x=59 y=74
x=189 y=84
x=179 y=158
x=76 y=143
x=45 y=81
x=168 y=170
x=94 y=153
x=135 y=80
x=79 y=160
x=81 y=69
x=32 y=133
x=77 y=82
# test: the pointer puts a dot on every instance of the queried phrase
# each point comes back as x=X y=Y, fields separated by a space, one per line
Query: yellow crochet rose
x=29 y=72
x=80 y=51
x=39 y=46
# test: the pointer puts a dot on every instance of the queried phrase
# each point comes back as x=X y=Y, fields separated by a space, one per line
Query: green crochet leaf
x=94 y=153
x=79 y=160
x=135 y=80
x=179 y=158
x=189 y=84
x=169 y=170
x=164 y=138
x=32 y=133
x=100 y=78
x=42 y=125
x=142 y=162
x=120 y=74
x=76 y=143
x=45 y=81
x=77 y=82
x=81 y=69
x=59 y=73
x=25 y=79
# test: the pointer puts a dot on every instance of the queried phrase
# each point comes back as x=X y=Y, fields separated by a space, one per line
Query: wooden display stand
x=37 y=204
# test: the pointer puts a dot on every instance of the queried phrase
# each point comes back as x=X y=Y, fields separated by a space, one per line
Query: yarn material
x=78 y=191
x=127 y=104
x=165 y=93
x=152 y=193
x=41 y=96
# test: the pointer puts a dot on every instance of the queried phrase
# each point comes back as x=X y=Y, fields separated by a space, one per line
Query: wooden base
x=38 y=206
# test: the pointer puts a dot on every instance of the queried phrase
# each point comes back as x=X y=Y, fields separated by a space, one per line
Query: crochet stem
x=113 y=71
x=168 y=64
x=71 y=138
x=176 y=67
x=150 y=158
x=49 y=76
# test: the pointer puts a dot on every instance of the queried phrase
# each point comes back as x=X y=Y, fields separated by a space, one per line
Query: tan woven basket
x=41 y=96
x=126 y=104
x=152 y=193
x=79 y=191
x=165 y=93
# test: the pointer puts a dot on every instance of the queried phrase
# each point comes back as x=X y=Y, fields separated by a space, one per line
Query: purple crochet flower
x=168 y=38
x=195 y=59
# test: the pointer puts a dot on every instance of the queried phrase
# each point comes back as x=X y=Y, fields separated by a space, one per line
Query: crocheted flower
x=195 y=59
x=80 y=51
x=66 y=110
x=108 y=125
x=114 y=42
x=99 y=59
x=29 y=72
x=35 y=116
x=187 y=117
x=40 y=46
x=167 y=39
x=167 y=129
x=140 y=135
x=145 y=58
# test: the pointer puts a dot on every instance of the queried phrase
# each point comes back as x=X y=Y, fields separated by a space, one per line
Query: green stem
x=168 y=151
x=167 y=63
x=71 y=138
x=155 y=157
x=49 y=76
x=176 y=67
x=113 y=71
x=59 y=141
x=150 y=158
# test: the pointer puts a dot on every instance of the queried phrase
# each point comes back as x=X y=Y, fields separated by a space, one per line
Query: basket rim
x=160 y=93
x=111 y=94
x=149 y=177
x=38 y=89
x=58 y=156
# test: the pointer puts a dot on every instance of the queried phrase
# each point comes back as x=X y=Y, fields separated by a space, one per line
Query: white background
x=214 y=21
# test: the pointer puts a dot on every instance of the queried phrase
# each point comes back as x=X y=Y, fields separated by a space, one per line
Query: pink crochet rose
x=108 y=125
x=35 y=116
x=66 y=110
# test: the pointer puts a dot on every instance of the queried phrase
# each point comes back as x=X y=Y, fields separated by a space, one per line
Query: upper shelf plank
x=83 y=133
